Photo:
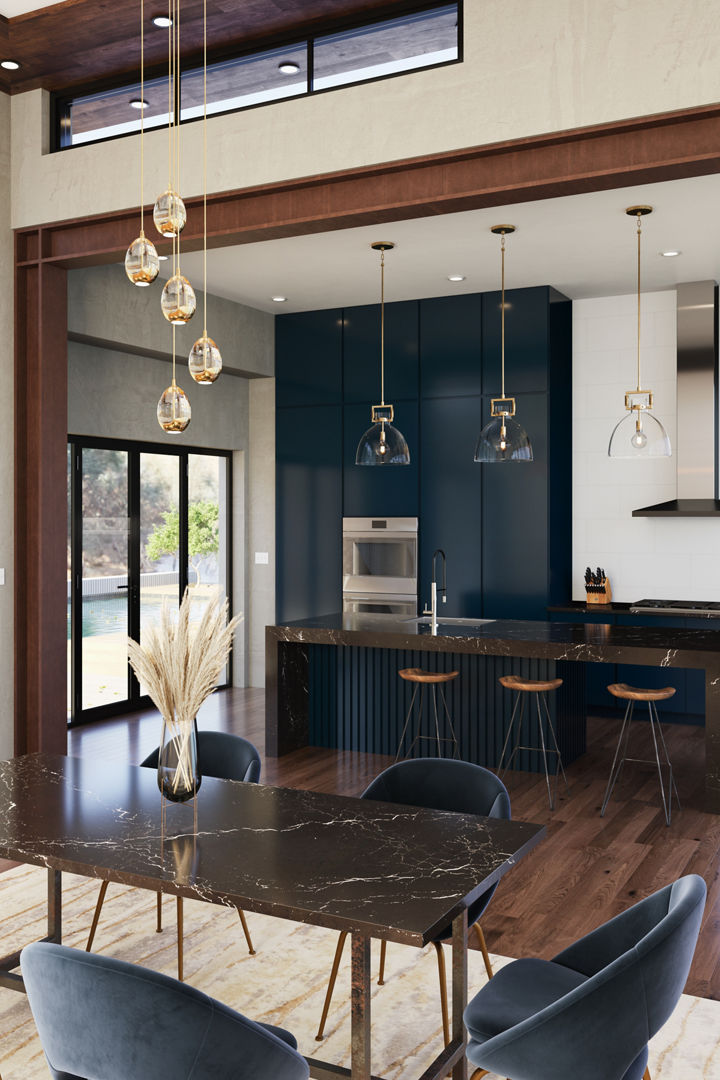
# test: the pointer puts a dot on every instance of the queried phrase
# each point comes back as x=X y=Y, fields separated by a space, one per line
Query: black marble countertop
x=377 y=868
x=657 y=646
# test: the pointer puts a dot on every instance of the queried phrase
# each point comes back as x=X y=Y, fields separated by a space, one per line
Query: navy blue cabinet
x=308 y=358
x=451 y=346
x=361 y=353
x=308 y=511
x=451 y=502
x=526 y=341
x=380 y=490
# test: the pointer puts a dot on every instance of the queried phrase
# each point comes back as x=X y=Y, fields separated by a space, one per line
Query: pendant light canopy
x=382 y=444
x=639 y=434
x=502 y=438
x=141 y=261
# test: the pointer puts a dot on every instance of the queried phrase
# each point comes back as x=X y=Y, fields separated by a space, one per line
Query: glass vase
x=178 y=774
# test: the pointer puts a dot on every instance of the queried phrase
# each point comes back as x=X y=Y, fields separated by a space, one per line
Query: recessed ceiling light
x=456 y=277
x=670 y=254
x=289 y=67
x=9 y=65
x=279 y=299
x=162 y=258
x=138 y=103
x=162 y=21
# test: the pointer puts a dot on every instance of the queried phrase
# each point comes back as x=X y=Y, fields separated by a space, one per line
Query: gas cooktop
x=677 y=607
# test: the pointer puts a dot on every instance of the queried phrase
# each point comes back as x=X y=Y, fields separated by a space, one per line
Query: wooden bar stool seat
x=631 y=694
x=540 y=688
x=435 y=680
x=531 y=686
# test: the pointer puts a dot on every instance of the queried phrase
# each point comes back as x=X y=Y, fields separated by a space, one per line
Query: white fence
x=108 y=586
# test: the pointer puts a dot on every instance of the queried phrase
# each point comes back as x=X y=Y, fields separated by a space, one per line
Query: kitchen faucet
x=434 y=589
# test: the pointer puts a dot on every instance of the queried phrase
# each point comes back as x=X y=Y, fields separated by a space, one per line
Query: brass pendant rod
x=170 y=91
x=142 y=120
x=382 y=327
x=176 y=113
x=639 y=232
x=502 y=314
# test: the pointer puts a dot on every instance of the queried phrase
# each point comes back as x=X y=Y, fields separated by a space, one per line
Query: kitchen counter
x=288 y=679
x=583 y=608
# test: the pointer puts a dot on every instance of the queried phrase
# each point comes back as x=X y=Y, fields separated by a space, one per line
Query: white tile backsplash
x=668 y=558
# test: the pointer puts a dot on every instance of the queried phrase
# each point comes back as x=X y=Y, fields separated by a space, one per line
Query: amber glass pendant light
x=173 y=409
x=502 y=438
x=382 y=444
x=639 y=434
x=178 y=296
x=169 y=213
x=141 y=261
x=205 y=361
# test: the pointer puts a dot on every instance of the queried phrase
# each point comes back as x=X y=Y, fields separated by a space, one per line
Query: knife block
x=599 y=594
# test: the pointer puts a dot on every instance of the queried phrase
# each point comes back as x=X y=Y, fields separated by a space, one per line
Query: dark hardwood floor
x=587 y=870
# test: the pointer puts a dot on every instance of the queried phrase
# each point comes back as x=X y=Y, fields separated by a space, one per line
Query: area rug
x=284 y=982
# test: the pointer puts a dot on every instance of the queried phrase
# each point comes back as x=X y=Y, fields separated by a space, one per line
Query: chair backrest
x=442 y=784
x=225 y=756
x=109 y=1020
x=637 y=965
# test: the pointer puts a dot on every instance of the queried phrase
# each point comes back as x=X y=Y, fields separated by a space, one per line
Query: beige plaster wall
x=530 y=66
x=6 y=438
x=261 y=523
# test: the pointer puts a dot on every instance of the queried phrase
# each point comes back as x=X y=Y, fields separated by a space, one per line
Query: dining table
x=371 y=869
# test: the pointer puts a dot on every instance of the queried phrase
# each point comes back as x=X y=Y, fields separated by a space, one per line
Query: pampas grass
x=180 y=664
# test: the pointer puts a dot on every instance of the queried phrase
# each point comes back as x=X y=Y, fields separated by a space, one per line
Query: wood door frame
x=646 y=149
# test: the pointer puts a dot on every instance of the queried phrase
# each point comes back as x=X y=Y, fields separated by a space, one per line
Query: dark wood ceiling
x=82 y=42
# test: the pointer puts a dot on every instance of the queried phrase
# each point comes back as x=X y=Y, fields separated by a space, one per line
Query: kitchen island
x=330 y=680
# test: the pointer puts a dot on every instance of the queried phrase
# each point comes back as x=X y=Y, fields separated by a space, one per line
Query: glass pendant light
x=639 y=434
x=178 y=300
x=169 y=213
x=382 y=444
x=173 y=409
x=502 y=438
x=141 y=261
x=205 y=361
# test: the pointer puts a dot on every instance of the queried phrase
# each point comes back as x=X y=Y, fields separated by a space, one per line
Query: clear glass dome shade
x=205 y=361
x=382 y=444
x=169 y=213
x=141 y=261
x=503 y=439
x=173 y=410
x=178 y=300
x=639 y=435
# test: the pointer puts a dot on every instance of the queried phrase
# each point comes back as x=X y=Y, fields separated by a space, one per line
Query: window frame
x=61 y=102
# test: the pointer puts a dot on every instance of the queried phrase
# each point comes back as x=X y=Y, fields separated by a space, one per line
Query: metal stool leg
x=551 y=796
x=519 y=700
x=667 y=757
x=667 y=804
x=615 y=767
x=418 y=729
x=407 y=721
x=551 y=729
x=456 y=752
x=437 y=723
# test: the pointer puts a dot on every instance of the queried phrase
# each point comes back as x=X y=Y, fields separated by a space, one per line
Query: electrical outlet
x=261 y=558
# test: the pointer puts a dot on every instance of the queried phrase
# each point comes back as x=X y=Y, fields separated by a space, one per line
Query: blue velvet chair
x=590 y=1011
x=104 y=1019
x=226 y=757
x=437 y=784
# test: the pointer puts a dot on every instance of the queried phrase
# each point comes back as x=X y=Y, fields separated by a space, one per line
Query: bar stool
x=435 y=680
x=631 y=694
x=539 y=687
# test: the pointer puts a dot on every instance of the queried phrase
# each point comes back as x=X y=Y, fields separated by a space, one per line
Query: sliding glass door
x=146 y=523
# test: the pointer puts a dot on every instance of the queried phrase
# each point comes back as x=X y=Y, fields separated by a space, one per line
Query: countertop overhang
x=589 y=642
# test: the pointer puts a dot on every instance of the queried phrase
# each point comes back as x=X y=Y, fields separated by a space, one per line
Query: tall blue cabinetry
x=506 y=529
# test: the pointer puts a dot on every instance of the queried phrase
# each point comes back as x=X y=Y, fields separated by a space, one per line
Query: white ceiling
x=11 y=8
x=584 y=245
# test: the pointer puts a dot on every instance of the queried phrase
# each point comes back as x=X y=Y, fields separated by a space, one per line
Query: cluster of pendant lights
x=178 y=302
x=637 y=435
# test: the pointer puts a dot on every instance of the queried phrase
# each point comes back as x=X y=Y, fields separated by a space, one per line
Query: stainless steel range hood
x=696 y=449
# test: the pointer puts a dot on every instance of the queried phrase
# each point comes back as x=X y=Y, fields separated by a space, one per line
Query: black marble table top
x=658 y=646
x=350 y=864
